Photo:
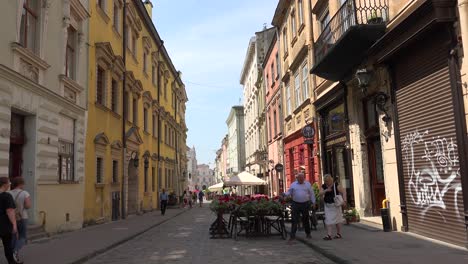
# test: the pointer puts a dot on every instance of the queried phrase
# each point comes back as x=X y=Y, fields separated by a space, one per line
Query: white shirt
x=19 y=201
x=301 y=193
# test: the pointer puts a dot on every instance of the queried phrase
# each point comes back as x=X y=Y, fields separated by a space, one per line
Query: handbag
x=338 y=199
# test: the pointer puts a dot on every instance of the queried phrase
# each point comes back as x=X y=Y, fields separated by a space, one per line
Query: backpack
x=200 y=195
x=18 y=211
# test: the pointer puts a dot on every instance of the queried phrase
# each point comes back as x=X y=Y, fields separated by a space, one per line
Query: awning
x=244 y=178
x=216 y=187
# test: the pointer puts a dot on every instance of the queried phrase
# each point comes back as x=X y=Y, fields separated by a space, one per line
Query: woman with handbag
x=334 y=198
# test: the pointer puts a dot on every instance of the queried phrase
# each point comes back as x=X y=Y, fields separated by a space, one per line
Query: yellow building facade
x=133 y=119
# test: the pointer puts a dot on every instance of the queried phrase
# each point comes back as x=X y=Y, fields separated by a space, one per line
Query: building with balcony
x=390 y=78
x=43 y=88
x=293 y=22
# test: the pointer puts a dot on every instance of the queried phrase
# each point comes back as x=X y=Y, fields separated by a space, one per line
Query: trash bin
x=386 y=221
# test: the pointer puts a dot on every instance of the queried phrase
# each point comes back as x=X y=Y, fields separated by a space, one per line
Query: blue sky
x=207 y=41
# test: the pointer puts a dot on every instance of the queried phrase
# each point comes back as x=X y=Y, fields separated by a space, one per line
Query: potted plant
x=375 y=19
x=351 y=215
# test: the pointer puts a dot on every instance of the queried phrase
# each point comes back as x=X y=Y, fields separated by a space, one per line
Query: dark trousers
x=163 y=206
x=7 y=247
x=299 y=209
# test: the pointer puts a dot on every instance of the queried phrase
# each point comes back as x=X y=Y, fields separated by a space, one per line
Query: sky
x=207 y=41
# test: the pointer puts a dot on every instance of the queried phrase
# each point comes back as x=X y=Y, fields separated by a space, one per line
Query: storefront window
x=336 y=119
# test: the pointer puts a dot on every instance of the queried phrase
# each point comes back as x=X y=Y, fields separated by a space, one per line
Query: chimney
x=149 y=7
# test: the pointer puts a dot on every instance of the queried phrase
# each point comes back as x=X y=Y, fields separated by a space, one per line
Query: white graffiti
x=432 y=174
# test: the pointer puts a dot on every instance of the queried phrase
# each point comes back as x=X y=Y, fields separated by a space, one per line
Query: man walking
x=163 y=197
x=201 y=194
x=303 y=197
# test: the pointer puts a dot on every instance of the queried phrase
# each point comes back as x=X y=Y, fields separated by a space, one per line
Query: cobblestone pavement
x=185 y=239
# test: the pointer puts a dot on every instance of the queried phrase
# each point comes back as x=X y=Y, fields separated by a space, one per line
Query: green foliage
x=316 y=189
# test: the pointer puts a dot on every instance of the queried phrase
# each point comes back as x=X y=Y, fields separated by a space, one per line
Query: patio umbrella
x=244 y=178
x=216 y=187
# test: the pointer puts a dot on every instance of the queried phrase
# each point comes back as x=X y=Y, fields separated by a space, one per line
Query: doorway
x=337 y=164
x=17 y=140
x=374 y=150
x=132 y=188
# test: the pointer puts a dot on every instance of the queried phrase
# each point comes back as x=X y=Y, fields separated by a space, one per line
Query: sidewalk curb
x=122 y=241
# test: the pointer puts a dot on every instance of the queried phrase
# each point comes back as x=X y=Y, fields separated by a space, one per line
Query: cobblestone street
x=185 y=239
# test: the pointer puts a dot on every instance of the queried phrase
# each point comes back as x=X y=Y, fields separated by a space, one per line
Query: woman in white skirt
x=333 y=214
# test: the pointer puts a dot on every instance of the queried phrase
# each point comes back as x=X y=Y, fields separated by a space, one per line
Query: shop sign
x=279 y=167
x=308 y=131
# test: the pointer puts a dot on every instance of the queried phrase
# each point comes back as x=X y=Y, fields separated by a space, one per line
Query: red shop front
x=297 y=153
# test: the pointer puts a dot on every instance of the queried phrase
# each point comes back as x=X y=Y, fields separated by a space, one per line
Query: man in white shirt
x=303 y=197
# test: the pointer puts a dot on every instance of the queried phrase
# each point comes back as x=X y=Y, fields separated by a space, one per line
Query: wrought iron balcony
x=347 y=36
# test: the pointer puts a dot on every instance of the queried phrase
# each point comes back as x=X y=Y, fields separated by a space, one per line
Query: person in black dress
x=8 y=227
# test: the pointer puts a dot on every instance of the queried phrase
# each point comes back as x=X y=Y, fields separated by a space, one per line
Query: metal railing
x=351 y=13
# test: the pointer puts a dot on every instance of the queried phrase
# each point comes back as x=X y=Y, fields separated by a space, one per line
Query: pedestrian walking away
x=303 y=197
x=22 y=202
x=333 y=213
x=163 y=197
x=8 y=227
x=201 y=194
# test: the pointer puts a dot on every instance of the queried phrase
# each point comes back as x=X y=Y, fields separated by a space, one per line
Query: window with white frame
x=270 y=135
x=29 y=25
x=145 y=61
x=134 y=44
x=272 y=70
x=297 y=90
x=293 y=24
x=305 y=81
x=145 y=183
x=160 y=179
x=101 y=86
x=285 y=40
x=300 y=12
x=154 y=125
x=288 y=99
x=70 y=56
x=66 y=148
x=275 y=126
x=153 y=179
x=153 y=74
x=99 y=170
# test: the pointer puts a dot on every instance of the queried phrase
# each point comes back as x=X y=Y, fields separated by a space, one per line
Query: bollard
x=386 y=221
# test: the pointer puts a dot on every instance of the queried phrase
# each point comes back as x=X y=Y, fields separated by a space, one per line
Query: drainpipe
x=124 y=112
x=159 y=115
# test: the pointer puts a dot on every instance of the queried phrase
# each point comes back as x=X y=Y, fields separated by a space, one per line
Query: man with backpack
x=200 y=197
x=22 y=202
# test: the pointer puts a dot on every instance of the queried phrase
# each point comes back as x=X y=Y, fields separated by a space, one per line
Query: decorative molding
x=101 y=139
x=71 y=84
x=29 y=56
x=79 y=10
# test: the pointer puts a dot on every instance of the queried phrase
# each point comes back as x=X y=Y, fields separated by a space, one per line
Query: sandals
x=338 y=236
x=328 y=237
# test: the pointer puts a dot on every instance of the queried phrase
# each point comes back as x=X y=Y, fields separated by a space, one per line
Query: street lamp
x=134 y=157
x=363 y=77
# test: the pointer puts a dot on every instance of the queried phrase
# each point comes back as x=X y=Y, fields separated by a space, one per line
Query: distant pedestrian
x=194 y=198
x=303 y=197
x=8 y=227
x=201 y=194
x=163 y=197
x=333 y=214
x=23 y=202
x=189 y=198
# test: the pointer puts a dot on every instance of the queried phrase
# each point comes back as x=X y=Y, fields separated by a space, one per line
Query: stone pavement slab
x=367 y=245
x=77 y=246
x=187 y=240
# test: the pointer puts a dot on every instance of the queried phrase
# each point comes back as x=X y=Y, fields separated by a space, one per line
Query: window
x=277 y=65
x=99 y=170
x=305 y=81
x=116 y=16
x=299 y=10
x=275 y=126
x=293 y=25
x=70 y=56
x=115 y=171
x=154 y=125
x=297 y=89
x=134 y=44
x=166 y=178
x=153 y=74
x=126 y=106
x=66 y=149
x=272 y=70
x=285 y=40
x=100 y=86
x=165 y=134
x=115 y=96
x=288 y=99
x=267 y=80
x=165 y=90
x=145 y=62
x=159 y=178
x=135 y=112
x=102 y=4
x=146 y=179
x=153 y=179
x=145 y=119
x=269 y=128
x=324 y=21
x=29 y=25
